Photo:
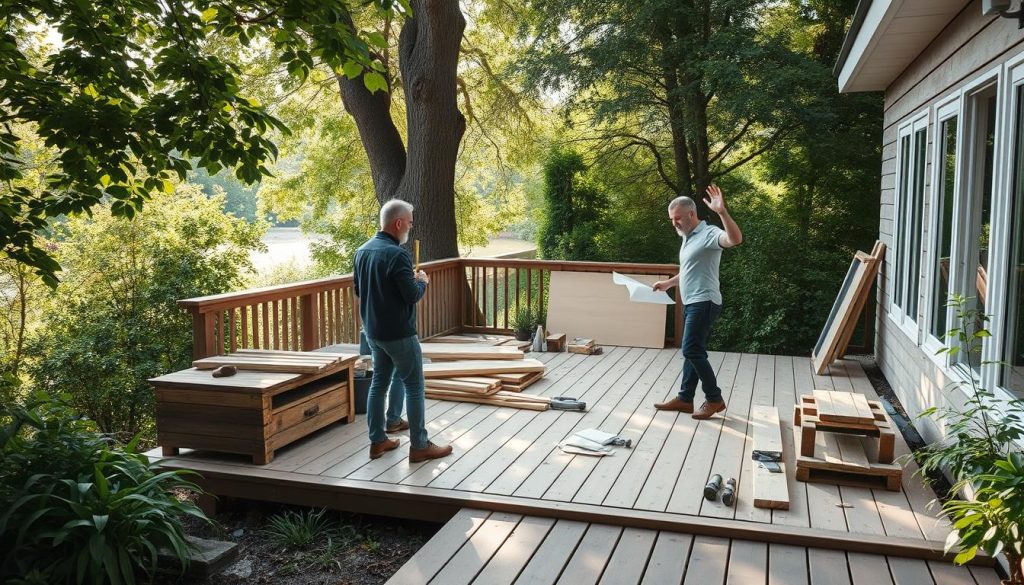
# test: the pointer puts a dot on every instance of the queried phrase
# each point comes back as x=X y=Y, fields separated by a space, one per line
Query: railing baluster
x=276 y=327
x=540 y=293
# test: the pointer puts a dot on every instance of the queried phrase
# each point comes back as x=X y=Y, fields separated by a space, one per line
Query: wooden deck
x=496 y=548
x=506 y=460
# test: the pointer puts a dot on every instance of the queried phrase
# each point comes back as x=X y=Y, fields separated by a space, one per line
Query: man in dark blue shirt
x=388 y=291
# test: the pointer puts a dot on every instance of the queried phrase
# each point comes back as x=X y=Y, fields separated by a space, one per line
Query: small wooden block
x=556 y=341
x=807 y=433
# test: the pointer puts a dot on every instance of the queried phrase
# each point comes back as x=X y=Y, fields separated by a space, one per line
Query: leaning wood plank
x=770 y=489
x=877 y=254
x=846 y=310
x=480 y=368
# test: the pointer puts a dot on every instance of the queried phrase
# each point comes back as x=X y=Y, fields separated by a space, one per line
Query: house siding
x=968 y=47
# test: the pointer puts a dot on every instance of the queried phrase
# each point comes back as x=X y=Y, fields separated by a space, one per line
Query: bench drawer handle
x=312 y=410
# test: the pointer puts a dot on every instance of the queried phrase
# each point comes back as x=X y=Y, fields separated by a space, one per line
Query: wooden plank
x=826 y=567
x=842 y=407
x=858 y=282
x=667 y=563
x=626 y=565
x=947 y=574
x=552 y=555
x=480 y=368
x=257 y=365
x=591 y=556
x=707 y=563
x=248 y=381
x=473 y=387
x=459 y=351
x=869 y=569
x=748 y=563
x=787 y=565
x=770 y=490
x=422 y=567
x=506 y=564
x=586 y=304
x=476 y=553
x=909 y=571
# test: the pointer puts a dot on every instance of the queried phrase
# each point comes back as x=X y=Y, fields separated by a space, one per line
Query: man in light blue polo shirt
x=699 y=258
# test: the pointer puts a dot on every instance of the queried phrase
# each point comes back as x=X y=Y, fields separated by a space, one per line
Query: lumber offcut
x=770 y=489
x=481 y=368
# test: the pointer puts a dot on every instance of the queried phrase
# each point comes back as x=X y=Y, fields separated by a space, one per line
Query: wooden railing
x=465 y=295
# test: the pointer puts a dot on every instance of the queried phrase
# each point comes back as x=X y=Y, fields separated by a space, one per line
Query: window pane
x=898 y=226
x=1013 y=371
x=914 y=225
x=942 y=242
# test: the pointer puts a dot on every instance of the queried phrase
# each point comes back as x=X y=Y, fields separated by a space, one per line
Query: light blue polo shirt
x=699 y=258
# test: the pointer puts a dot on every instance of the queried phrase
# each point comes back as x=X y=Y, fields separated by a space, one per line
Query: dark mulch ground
x=363 y=550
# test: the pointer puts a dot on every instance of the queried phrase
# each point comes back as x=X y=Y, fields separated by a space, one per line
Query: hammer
x=567 y=403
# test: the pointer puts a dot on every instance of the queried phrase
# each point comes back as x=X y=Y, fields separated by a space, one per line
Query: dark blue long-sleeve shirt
x=387 y=288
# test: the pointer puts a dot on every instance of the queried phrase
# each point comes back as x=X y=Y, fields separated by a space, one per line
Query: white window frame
x=944 y=110
x=1000 y=276
x=900 y=257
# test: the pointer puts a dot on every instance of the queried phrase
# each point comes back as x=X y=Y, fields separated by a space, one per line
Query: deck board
x=508 y=455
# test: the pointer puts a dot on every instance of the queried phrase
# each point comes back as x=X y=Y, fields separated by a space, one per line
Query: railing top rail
x=270 y=293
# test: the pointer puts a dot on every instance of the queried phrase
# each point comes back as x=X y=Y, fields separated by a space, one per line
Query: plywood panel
x=588 y=304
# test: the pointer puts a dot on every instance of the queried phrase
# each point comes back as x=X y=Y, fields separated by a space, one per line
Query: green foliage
x=524 y=321
x=114 y=321
x=299 y=530
x=138 y=89
x=982 y=454
x=573 y=214
x=77 y=509
x=239 y=199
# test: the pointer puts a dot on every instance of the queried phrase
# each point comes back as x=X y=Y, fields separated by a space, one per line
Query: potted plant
x=982 y=455
x=523 y=323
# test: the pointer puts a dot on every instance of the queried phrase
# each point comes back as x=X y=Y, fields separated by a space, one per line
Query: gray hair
x=682 y=201
x=393 y=210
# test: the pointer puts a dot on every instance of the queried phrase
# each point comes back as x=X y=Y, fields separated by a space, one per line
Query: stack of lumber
x=485 y=381
x=481 y=339
x=845 y=439
x=265 y=360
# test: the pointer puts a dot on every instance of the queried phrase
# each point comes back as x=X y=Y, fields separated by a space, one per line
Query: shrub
x=298 y=530
x=77 y=509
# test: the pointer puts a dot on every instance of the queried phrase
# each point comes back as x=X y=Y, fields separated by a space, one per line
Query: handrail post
x=310 y=326
x=202 y=334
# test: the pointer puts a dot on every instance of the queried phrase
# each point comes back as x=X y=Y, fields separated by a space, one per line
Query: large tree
x=135 y=90
x=424 y=173
x=699 y=85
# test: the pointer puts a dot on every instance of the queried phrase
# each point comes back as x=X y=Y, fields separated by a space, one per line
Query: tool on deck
x=729 y=492
x=605 y=438
x=768 y=459
x=567 y=403
x=224 y=371
x=712 y=487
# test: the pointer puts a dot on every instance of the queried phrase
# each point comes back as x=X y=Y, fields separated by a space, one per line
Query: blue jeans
x=404 y=359
x=698 y=319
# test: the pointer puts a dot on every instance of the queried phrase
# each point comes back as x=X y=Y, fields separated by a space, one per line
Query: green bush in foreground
x=78 y=509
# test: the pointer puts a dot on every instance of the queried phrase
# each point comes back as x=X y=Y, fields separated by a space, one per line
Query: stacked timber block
x=585 y=346
x=486 y=373
x=845 y=439
x=272 y=399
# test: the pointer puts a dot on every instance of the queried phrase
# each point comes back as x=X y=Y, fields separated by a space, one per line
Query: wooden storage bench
x=250 y=413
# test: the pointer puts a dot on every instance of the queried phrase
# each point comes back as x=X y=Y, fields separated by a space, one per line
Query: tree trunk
x=677 y=123
x=424 y=175
x=428 y=59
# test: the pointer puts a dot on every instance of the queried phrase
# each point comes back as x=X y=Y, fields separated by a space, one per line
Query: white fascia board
x=876 y=20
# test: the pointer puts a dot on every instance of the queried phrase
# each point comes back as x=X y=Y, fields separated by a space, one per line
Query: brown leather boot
x=378 y=449
x=431 y=451
x=675 y=404
x=401 y=425
x=707 y=409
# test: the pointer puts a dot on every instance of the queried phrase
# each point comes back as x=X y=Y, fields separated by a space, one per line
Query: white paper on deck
x=640 y=292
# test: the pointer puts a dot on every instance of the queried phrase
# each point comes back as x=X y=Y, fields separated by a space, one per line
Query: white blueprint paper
x=640 y=292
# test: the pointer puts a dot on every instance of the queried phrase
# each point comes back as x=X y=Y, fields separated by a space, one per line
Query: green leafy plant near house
x=982 y=454
x=75 y=508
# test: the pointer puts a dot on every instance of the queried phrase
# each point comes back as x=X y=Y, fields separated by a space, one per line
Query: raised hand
x=715 y=200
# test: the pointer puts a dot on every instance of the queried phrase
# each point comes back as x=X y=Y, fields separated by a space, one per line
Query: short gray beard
x=404 y=239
